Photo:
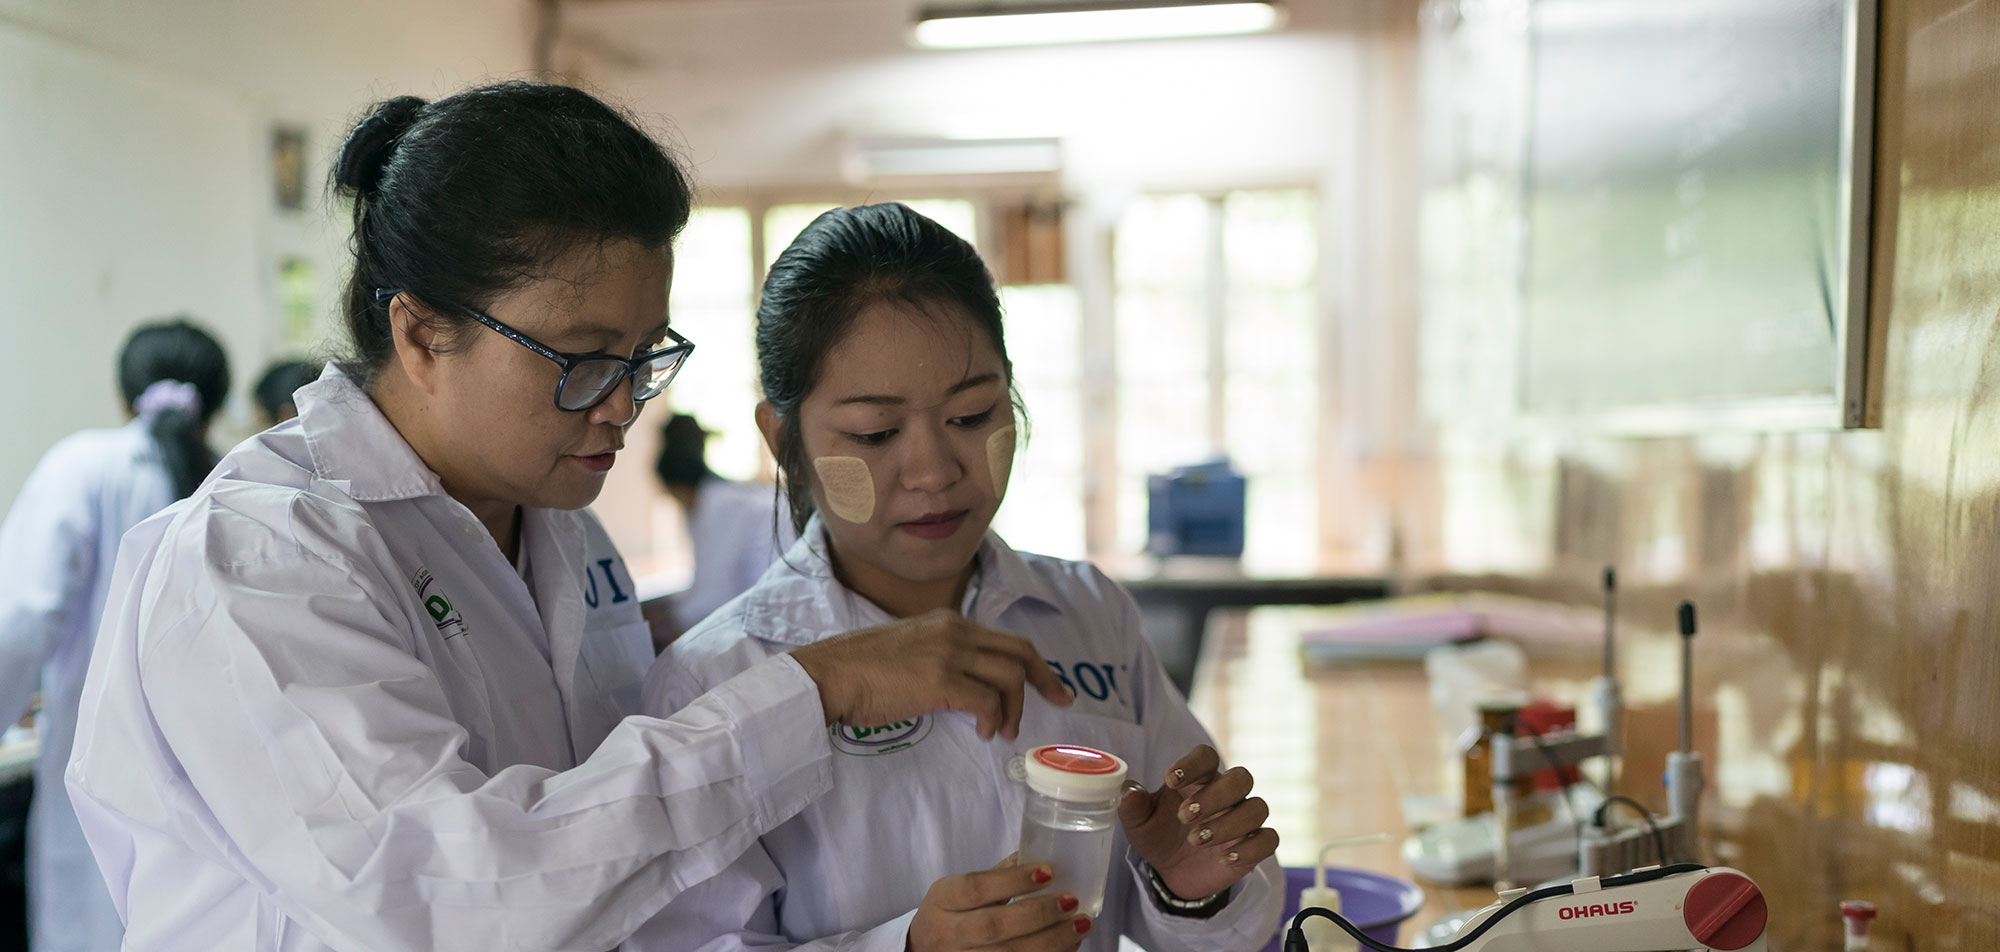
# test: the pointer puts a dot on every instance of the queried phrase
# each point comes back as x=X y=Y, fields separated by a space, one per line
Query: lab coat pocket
x=614 y=659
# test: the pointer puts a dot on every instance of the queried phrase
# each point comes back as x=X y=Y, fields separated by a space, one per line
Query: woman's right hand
x=974 y=911
x=933 y=662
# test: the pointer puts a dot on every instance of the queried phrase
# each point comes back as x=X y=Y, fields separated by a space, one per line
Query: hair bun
x=366 y=152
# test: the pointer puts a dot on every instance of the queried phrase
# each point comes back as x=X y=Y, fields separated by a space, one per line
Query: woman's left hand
x=1202 y=831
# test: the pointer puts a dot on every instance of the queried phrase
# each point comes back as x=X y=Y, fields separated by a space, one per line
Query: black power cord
x=1569 y=802
x=1659 y=842
x=1295 y=937
x=1597 y=820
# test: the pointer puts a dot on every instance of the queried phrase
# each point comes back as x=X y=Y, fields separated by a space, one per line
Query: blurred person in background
x=735 y=526
x=57 y=547
x=274 y=390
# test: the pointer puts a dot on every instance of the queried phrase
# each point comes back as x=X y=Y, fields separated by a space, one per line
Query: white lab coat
x=326 y=713
x=56 y=552
x=926 y=799
x=737 y=534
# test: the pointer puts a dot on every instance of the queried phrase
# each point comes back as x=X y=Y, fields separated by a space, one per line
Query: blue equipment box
x=1196 y=510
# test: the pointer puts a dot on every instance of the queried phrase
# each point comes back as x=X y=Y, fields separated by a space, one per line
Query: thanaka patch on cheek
x=1000 y=458
x=849 y=489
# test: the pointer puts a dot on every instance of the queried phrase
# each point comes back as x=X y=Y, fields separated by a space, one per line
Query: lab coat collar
x=354 y=444
x=798 y=601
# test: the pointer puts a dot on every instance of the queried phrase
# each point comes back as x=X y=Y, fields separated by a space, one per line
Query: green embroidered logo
x=876 y=741
x=448 y=620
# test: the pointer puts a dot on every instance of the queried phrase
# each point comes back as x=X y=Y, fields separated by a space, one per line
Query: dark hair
x=178 y=350
x=460 y=200
x=846 y=260
x=682 y=452
x=283 y=378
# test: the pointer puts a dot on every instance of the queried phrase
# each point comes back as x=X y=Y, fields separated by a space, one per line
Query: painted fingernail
x=1175 y=777
x=1066 y=903
x=1043 y=877
x=1190 y=811
x=1203 y=835
x=1082 y=926
x=1230 y=858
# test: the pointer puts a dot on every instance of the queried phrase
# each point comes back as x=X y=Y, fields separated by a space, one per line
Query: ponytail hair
x=174 y=377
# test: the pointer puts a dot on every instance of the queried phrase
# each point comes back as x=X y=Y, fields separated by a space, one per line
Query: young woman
x=889 y=409
x=56 y=552
x=368 y=689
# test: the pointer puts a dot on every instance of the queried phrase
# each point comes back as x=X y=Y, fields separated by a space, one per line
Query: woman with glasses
x=372 y=687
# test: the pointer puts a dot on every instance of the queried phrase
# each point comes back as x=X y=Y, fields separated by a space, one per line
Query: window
x=1044 y=508
x=713 y=305
x=1271 y=372
x=710 y=303
x=1215 y=330
x=782 y=223
x=1217 y=337
x=1163 y=350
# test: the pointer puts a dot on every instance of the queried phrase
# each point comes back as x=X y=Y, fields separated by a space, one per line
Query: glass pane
x=1160 y=242
x=1046 y=514
x=1270 y=330
x=1162 y=339
x=1270 y=238
x=1271 y=373
x=782 y=223
x=953 y=213
x=712 y=306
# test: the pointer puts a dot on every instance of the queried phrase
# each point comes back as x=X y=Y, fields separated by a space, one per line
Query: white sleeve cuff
x=891 y=936
x=781 y=730
x=1248 y=920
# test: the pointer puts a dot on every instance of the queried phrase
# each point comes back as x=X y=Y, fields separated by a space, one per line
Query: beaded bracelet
x=1187 y=908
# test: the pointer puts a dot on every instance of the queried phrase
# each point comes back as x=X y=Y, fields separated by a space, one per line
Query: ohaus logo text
x=876 y=741
x=1592 y=912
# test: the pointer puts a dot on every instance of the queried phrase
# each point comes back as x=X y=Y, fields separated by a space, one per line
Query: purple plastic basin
x=1375 y=903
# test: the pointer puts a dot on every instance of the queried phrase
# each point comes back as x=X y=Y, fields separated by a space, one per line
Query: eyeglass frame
x=569 y=362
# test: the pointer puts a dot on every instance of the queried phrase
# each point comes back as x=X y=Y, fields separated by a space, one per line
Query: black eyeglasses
x=587 y=379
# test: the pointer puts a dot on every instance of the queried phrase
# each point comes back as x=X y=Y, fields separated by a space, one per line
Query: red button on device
x=1725 y=911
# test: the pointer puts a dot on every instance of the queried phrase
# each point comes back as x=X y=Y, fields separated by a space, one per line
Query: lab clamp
x=1603 y=849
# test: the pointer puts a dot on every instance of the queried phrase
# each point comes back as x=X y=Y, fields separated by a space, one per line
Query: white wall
x=135 y=177
x=765 y=91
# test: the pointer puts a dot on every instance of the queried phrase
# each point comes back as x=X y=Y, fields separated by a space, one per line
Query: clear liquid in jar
x=1077 y=848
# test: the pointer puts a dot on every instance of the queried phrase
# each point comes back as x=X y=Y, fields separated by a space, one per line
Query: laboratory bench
x=1177 y=602
x=1343 y=747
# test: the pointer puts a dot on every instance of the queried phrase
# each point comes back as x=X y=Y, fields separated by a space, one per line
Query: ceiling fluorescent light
x=875 y=159
x=1048 y=23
